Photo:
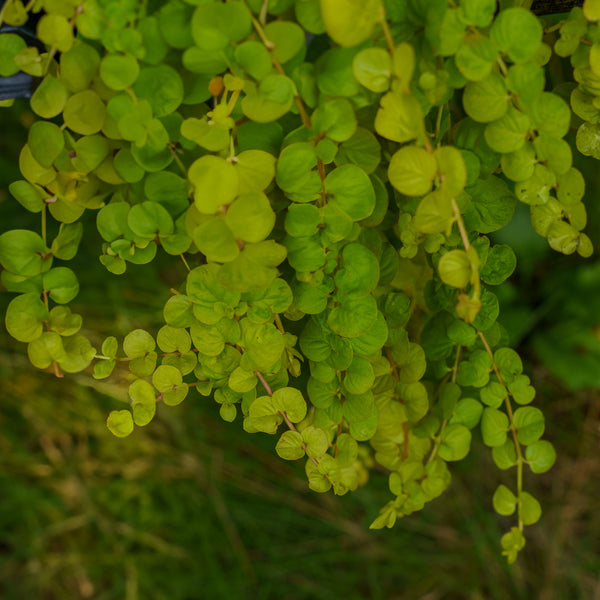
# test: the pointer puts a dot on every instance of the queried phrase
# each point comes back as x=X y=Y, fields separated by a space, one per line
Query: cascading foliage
x=328 y=172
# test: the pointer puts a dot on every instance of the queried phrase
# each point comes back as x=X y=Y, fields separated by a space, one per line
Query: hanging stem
x=509 y=411
x=386 y=30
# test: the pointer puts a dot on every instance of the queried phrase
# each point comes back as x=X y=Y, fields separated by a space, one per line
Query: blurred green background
x=191 y=507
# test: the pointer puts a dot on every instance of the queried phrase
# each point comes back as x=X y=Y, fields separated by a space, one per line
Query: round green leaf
x=517 y=32
x=84 y=112
x=62 y=284
x=46 y=141
x=216 y=241
x=352 y=191
x=49 y=98
x=541 y=456
x=25 y=317
x=504 y=501
x=250 y=217
x=530 y=424
x=290 y=446
x=138 y=343
x=487 y=100
x=372 y=68
x=412 y=170
x=530 y=510
x=215 y=182
x=119 y=71
x=290 y=401
x=162 y=87
x=508 y=133
x=349 y=22
x=358 y=273
x=120 y=423
x=23 y=252
x=456 y=442
x=494 y=427
x=287 y=39
x=270 y=100
x=354 y=316
x=434 y=213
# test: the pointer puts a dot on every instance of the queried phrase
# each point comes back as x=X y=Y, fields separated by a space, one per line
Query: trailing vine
x=329 y=172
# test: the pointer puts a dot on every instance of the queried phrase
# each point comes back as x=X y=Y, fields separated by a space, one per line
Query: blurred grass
x=192 y=508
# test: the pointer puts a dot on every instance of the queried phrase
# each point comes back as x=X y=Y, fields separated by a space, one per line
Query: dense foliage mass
x=329 y=172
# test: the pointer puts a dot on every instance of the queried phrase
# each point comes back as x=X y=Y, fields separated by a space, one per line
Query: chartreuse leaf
x=254 y=268
x=451 y=170
x=287 y=39
x=520 y=164
x=214 y=25
x=508 y=133
x=23 y=252
x=255 y=169
x=295 y=172
x=290 y=401
x=290 y=446
x=530 y=510
x=49 y=98
x=349 y=22
x=494 y=427
x=456 y=442
x=11 y=45
x=512 y=543
x=263 y=416
x=434 y=213
x=55 y=30
x=253 y=56
x=162 y=87
x=359 y=272
x=518 y=33
x=476 y=57
x=412 y=170
x=361 y=149
x=467 y=412
x=354 y=316
x=173 y=339
x=63 y=321
x=540 y=456
x=46 y=141
x=25 y=317
x=477 y=12
x=487 y=100
x=455 y=268
x=372 y=68
x=270 y=100
x=84 y=112
x=139 y=346
x=61 y=283
x=79 y=354
x=336 y=119
x=168 y=380
x=400 y=117
x=216 y=240
x=316 y=441
x=143 y=402
x=352 y=191
x=119 y=71
x=250 y=218
x=530 y=425
x=28 y=195
x=505 y=502
x=120 y=423
x=215 y=182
